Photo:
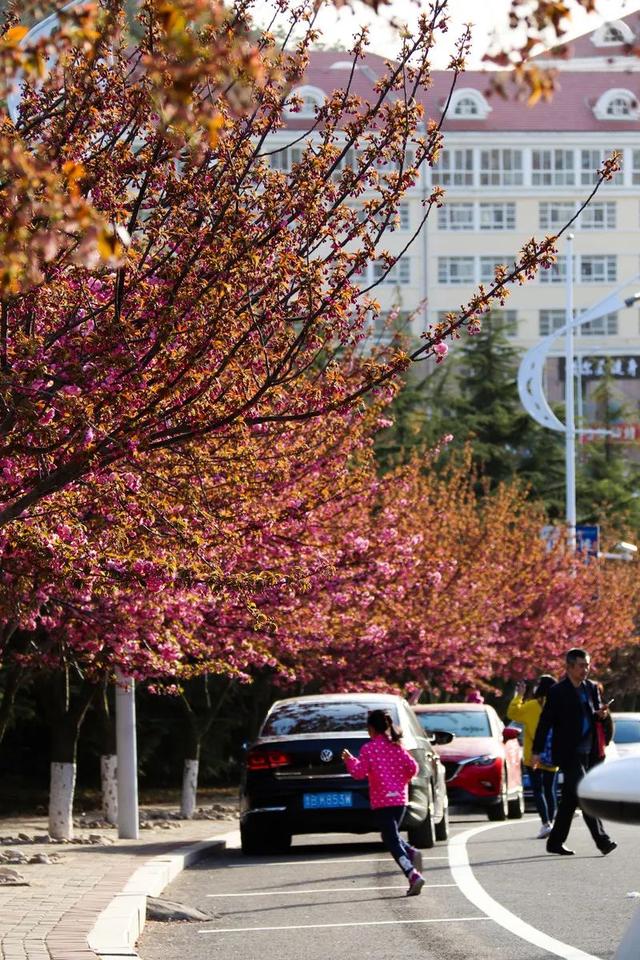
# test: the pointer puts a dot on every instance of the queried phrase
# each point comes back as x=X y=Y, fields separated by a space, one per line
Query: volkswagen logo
x=326 y=756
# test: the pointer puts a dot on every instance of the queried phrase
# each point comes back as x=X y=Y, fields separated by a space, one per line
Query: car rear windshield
x=464 y=723
x=626 y=731
x=321 y=717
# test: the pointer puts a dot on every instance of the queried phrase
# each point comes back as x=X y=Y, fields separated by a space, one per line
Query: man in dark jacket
x=571 y=710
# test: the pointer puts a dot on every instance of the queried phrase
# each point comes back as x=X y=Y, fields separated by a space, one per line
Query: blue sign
x=587 y=540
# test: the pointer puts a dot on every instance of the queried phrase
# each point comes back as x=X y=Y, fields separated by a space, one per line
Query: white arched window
x=612 y=34
x=469 y=104
x=312 y=98
x=618 y=104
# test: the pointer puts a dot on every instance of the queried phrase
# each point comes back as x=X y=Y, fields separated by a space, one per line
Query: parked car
x=483 y=763
x=626 y=734
x=294 y=780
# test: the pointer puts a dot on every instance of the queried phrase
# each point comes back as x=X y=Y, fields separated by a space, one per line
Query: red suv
x=483 y=762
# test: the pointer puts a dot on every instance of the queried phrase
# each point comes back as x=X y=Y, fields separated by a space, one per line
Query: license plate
x=326 y=801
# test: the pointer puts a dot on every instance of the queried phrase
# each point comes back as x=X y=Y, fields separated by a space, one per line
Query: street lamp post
x=531 y=370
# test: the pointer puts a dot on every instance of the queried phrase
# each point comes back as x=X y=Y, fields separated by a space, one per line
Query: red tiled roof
x=571 y=108
x=583 y=48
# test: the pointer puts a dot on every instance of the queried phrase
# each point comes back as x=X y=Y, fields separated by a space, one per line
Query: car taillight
x=267 y=759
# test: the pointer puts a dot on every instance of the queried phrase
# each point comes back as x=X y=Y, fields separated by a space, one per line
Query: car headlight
x=484 y=761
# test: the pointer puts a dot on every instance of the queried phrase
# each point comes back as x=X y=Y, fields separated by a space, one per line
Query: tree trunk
x=108 y=758
x=66 y=710
x=189 y=788
x=61 y=790
x=109 y=787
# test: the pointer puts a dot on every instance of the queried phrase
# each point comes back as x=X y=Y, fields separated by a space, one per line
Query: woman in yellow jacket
x=543 y=778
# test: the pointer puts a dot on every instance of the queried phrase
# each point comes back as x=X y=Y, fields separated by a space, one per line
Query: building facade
x=511 y=172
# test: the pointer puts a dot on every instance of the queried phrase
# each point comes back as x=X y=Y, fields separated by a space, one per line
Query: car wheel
x=423 y=836
x=516 y=805
x=500 y=809
x=442 y=827
x=254 y=842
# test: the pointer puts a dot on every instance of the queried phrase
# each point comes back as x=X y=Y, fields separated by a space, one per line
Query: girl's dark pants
x=544 y=786
x=389 y=819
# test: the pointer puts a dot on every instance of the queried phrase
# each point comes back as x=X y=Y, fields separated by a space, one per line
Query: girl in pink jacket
x=389 y=768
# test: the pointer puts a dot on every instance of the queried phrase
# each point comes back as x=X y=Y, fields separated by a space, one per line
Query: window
x=549 y=321
x=635 y=167
x=606 y=326
x=455 y=270
x=286 y=158
x=501 y=168
x=469 y=104
x=612 y=34
x=599 y=215
x=405 y=217
x=488 y=267
x=617 y=104
x=591 y=162
x=312 y=98
x=556 y=273
x=400 y=272
x=308 y=716
x=552 y=168
x=598 y=269
x=463 y=723
x=506 y=319
x=456 y=216
x=454 y=168
x=553 y=216
x=497 y=216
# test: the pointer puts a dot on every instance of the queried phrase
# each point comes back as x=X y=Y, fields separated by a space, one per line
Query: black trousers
x=573 y=773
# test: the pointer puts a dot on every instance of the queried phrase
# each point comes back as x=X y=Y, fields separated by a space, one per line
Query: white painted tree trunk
x=189 y=788
x=61 y=790
x=109 y=783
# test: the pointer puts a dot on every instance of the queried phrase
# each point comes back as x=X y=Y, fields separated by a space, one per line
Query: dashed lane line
x=463 y=875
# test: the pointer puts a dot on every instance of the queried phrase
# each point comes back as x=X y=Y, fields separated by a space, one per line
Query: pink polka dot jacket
x=389 y=768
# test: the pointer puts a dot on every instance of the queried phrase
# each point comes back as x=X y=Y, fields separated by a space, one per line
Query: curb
x=120 y=925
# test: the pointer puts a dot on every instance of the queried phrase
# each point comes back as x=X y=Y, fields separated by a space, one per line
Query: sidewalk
x=91 y=903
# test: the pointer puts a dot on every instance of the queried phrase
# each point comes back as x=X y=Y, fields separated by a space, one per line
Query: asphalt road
x=492 y=893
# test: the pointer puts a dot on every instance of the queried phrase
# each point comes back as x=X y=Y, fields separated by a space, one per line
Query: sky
x=487 y=16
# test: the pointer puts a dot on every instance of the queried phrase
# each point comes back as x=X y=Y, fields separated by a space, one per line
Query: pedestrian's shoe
x=416 y=883
x=416 y=860
x=544 y=831
x=607 y=847
x=560 y=849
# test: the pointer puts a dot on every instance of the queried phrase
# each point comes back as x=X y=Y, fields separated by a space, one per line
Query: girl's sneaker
x=416 y=859
x=544 y=831
x=416 y=883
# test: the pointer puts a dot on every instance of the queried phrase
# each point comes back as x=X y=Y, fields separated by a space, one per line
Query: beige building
x=511 y=172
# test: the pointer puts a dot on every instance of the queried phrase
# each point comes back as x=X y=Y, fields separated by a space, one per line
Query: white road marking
x=322 y=926
x=306 y=863
x=477 y=895
x=299 y=892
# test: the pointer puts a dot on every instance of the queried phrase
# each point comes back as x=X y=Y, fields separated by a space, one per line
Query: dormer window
x=469 y=105
x=613 y=34
x=617 y=105
x=312 y=99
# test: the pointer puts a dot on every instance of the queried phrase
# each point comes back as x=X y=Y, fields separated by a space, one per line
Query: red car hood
x=464 y=747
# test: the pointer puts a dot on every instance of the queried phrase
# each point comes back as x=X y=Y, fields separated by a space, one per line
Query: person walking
x=544 y=777
x=571 y=710
x=389 y=768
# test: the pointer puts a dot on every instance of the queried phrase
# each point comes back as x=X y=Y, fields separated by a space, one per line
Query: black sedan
x=295 y=782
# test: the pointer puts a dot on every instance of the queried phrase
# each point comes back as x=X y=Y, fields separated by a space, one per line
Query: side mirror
x=611 y=790
x=441 y=737
x=510 y=733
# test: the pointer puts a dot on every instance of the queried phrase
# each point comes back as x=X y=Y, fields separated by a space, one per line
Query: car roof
x=427 y=707
x=625 y=714
x=342 y=698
